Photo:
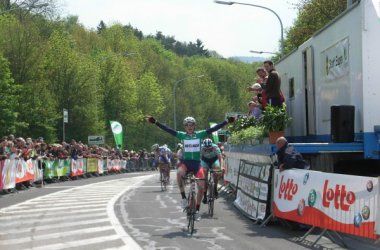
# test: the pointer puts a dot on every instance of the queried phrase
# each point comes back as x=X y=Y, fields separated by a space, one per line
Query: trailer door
x=308 y=67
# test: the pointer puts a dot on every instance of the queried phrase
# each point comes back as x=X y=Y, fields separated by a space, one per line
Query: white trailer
x=338 y=65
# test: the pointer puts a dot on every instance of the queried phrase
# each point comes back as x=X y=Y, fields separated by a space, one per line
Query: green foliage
x=113 y=73
x=39 y=112
x=275 y=118
x=313 y=15
x=182 y=49
x=249 y=135
x=8 y=99
x=243 y=123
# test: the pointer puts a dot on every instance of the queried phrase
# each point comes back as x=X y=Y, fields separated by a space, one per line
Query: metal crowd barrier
x=20 y=172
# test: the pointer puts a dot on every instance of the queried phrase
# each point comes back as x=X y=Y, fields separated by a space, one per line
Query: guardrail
x=333 y=202
x=19 y=171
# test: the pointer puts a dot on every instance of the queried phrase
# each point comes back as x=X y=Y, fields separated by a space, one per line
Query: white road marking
x=73 y=217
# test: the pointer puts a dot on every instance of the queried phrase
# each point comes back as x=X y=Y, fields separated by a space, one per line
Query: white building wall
x=344 y=89
x=371 y=64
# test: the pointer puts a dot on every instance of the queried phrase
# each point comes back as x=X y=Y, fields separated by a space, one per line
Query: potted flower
x=275 y=120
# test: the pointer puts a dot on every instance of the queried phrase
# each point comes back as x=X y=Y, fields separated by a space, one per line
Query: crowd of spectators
x=266 y=90
x=258 y=101
x=28 y=148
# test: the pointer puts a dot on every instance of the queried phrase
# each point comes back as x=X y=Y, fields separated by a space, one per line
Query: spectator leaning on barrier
x=288 y=157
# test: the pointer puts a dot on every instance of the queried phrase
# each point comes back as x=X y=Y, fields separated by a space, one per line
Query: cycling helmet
x=179 y=146
x=189 y=119
x=155 y=147
x=207 y=143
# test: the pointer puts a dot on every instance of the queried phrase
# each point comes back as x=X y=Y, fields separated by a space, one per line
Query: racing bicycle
x=211 y=190
x=191 y=200
x=164 y=177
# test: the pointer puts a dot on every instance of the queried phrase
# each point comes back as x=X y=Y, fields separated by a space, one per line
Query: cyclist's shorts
x=193 y=166
x=164 y=166
x=210 y=163
x=163 y=160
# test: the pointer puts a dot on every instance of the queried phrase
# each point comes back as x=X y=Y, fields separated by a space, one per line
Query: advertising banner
x=92 y=165
x=24 y=170
x=48 y=170
x=336 y=60
x=1 y=175
x=9 y=174
x=232 y=169
x=342 y=203
x=117 y=131
x=253 y=195
x=77 y=167
x=38 y=173
x=63 y=167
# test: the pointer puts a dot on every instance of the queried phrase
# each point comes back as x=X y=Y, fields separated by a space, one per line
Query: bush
x=249 y=135
x=275 y=118
x=243 y=122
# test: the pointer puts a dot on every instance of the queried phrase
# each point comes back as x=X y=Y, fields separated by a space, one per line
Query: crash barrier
x=253 y=184
x=17 y=171
x=342 y=203
x=339 y=203
x=249 y=175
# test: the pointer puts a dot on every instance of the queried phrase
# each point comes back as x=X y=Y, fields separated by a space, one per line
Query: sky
x=230 y=30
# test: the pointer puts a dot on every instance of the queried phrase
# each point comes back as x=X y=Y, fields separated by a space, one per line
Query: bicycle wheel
x=191 y=214
x=163 y=187
x=211 y=198
x=191 y=223
x=165 y=181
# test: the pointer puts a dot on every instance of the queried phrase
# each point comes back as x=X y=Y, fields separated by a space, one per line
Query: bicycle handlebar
x=215 y=171
x=192 y=177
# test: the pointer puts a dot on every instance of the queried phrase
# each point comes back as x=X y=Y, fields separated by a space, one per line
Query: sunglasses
x=189 y=125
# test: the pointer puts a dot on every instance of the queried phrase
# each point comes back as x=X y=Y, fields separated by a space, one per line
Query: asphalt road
x=129 y=211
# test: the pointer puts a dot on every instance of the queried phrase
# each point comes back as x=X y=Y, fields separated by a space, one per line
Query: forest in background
x=49 y=63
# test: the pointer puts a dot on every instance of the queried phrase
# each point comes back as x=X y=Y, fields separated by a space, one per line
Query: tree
x=72 y=82
x=8 y=99
x=150 y=101
x=312 y=16
x=38 y=110
x=117 y=90
x=199 y=97
x=101 y=27
x=20 y=46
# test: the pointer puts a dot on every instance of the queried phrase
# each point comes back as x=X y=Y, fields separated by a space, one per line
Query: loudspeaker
x=342 y=123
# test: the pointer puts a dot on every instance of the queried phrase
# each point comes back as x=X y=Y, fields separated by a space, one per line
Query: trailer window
x=291 y=87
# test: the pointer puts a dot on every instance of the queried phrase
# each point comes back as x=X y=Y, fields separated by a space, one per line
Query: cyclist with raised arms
x=191 y=157
x=211 y=158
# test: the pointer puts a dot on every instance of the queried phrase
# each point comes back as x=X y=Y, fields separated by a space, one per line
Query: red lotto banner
x=342 y=203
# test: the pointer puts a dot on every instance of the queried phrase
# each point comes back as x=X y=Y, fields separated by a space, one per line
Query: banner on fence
x=231 y=169
x=1 y=175
x=77 y=167
x=253 y=195
x=24 y=171
x=343 y=203
x=9 y=174
x=100 y=166
x=92 y=165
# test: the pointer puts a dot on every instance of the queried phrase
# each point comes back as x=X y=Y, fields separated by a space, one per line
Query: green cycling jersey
x=191 y=144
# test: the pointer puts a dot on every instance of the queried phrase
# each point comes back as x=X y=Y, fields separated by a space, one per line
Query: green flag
x=117 y=131
x=214 y=134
